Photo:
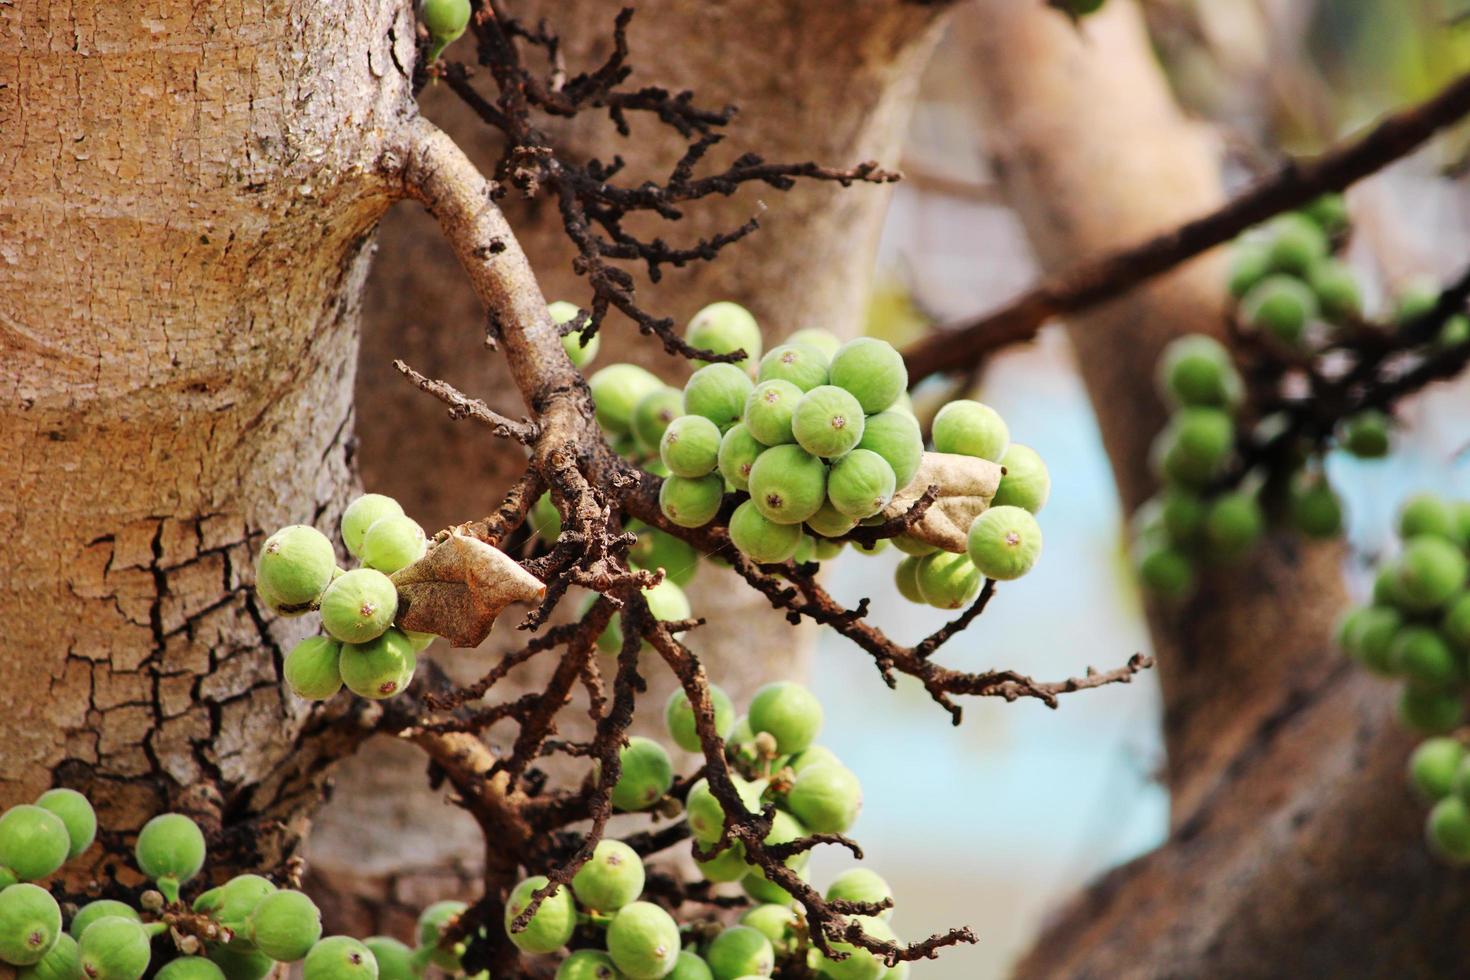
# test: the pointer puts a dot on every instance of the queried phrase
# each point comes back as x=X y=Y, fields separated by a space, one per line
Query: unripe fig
x=1448 y=830
x=738 y=952
x=706 y=815
x=1431 y=572
x=190 y=968
x=1281 y=306
x=860 y=964
x=1164 y=570
x=394 y=958
x=1316 y=510
x=896 y=437
x=1195 y=446
x=392 y=543
x=658 y=549
x=1183 y=514
x=871 y=370
x=170 y=846
x=690 y=967
x=616 y=391
x=776 y=922
x=1196 y=369
x=340 y=958
x=34 y=842
x=1455 y=626
x=379 y=668
x=240 y=964
x=652 y=415
x=823 y=340
x=544 y=520
x=100 y=909
x=1004 y=544
x=789 y=712
x=311 y=668
x=579 y=354
x=359 y=605
x=63 y=961
x=690 y=446
x=825 y=798
x=876 y=548
x=285 y=925
x=970 y=428
x=114 y=948
x=1250 y=262
x=727 y=866
x=1330 y=212
x=1434 y=766
x=828 y=421
x=647 y=773
x=679 y=717
x=738 y=452
x=830 y=522
x=237 y=898
x=769 y=409
x=446 y=20
x=906 y=578
x=1431 y=712
x=764 y=890
x=552 y=924
x=725 y=328
x=803 y=365
x=612 y=877
x=718 y=392
x=1026 y=483
x=1337 y=291
x=1365 y=435
x=860 y=484
x=588 y=964
x=296 y=564
x=1421 y=656
x=947 y=581
x=30 y=924
x=1297 y=244
x=913 y=546
x=76 y=814
x=643 y=940
x=825 y=550
x=362 y=514
x=1427 y=513
x=1454 y=333
x=1233 y=526
x=430 y=930
x=788 y=485
x=761 y=540
x=1415 y=299
x=1377 y=628
x=861 y=885
x=691 y=502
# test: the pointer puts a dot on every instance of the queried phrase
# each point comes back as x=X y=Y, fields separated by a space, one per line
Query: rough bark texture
x=184 y=234
x=1296 y=846
x=827 y=82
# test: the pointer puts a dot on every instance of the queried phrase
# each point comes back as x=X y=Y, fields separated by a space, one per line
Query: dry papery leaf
x=966 y=487
x=459 y=587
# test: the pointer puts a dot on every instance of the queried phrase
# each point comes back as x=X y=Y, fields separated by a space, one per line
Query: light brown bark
x=186 y=220
x=1296 y=847
x=825 y=82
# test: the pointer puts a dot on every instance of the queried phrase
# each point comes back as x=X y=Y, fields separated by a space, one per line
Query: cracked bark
x=856 y=67
x=184 y=238
x=1296 y=845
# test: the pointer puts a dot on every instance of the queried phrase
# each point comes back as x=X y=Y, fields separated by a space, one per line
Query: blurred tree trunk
x=826 y=82
x=1296 y=846
x=189 y=197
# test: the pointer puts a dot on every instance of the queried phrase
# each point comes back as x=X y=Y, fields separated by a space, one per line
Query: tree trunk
x=826 y=82
x=185 y=230
x=1296 y=846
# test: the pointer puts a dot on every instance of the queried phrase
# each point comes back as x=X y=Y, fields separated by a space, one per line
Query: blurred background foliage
x=1045 y=801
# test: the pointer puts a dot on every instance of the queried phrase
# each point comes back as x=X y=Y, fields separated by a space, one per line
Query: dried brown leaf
x=459 y=587
x=966 y=487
